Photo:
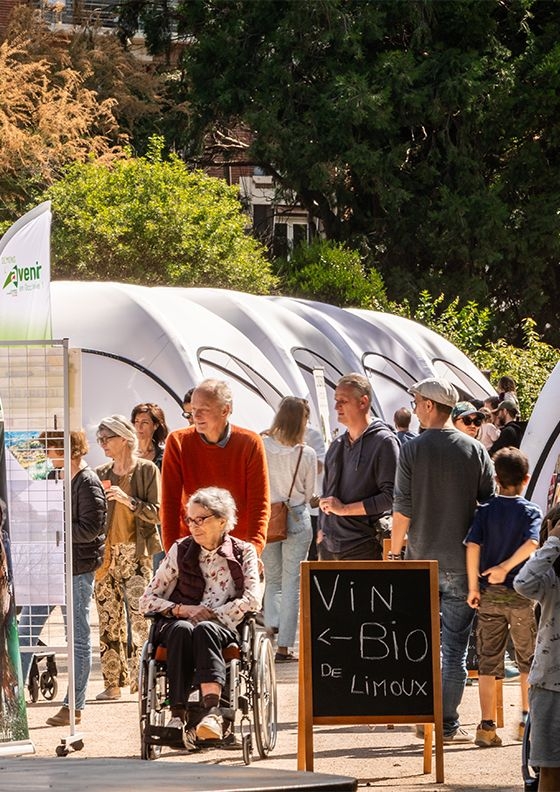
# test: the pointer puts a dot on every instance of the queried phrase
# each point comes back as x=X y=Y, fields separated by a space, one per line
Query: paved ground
x=377 y=757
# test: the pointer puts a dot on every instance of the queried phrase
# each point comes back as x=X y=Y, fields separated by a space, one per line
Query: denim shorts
x=545 y=727
x=503 y=611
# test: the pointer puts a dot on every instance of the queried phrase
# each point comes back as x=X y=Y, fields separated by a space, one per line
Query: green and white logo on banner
x=25 y=275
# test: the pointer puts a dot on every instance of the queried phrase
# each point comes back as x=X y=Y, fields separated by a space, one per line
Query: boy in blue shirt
x=503 y=534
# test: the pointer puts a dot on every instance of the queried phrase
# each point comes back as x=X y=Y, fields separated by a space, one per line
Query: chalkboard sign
x=371 y=642
x=369 y=647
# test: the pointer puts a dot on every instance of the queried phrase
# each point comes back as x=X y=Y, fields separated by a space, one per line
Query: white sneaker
x=175 y=723
x=210 y=727
x=459 y=736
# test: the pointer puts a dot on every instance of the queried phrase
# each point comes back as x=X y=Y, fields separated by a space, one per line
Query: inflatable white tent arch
x=153 y=343
x=541 y=441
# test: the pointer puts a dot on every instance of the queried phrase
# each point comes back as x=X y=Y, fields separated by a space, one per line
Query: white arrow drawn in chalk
x=332 y=637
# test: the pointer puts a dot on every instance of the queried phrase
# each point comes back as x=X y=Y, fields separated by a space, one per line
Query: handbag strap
x=295 y=473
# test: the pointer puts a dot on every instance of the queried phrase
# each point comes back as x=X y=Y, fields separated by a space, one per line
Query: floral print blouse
x=219 y=590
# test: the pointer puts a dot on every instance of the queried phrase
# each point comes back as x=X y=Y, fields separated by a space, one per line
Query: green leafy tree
x=423 y=132
x=530 y=364
x=465 y=326
x=64 y=100
x=48 y=118
x=144 y=220
x=330 y=272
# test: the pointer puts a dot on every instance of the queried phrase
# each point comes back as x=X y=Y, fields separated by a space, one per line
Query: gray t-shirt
x=441 y=477
x=538 y=580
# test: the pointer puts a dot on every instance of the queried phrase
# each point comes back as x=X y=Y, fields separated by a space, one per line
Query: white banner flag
x=25 y=276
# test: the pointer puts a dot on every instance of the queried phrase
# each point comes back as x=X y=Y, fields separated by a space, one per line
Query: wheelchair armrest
x=246 y=629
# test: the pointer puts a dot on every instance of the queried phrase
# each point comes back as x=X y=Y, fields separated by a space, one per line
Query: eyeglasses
x=468 y=421
x=187 y=415
x=102 y=439
x=198 y=521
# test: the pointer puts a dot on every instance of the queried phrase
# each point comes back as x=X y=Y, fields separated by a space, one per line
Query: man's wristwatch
x=133 y=503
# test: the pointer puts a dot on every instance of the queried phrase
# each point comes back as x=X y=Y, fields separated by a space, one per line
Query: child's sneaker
x=486 y=736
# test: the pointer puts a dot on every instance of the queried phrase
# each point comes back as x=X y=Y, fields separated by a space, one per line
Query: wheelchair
x=248 y=703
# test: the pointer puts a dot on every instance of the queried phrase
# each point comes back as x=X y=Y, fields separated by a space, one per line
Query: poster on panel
x=14 y=732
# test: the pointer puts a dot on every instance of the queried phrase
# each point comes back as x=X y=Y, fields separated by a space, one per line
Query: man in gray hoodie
x=360 y=468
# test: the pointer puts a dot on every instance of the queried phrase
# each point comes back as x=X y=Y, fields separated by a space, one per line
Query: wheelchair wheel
x=151 y=698
x=264 y=696
x=33 y=688
x=530 y=779
x=48 y=685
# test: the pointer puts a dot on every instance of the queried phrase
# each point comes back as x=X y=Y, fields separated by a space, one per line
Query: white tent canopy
x=152 y=344
x=541 y=441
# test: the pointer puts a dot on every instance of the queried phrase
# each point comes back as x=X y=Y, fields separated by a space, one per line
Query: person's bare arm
x=473 y=567
x=497 y=574
x=398 y=532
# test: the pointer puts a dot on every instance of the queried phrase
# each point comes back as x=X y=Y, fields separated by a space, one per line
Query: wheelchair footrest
x=164 y=735
x=227 y=742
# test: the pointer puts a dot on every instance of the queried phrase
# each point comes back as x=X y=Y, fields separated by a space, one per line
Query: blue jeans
x=456 y=623
x=33 y=618
x=282 y=574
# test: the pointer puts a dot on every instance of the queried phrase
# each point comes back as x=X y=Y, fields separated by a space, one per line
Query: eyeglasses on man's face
x=198 y=521
x=103 y=439
x=477 y=421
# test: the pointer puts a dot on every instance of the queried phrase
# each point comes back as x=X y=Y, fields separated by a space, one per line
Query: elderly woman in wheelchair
x=200 y=593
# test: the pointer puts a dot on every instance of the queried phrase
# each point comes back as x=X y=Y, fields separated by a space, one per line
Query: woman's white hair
x=121 y=426
x=218 y=501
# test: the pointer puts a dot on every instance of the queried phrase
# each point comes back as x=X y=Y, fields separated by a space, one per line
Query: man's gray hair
x=219 y=389
x=218 y=501
x=358 y=382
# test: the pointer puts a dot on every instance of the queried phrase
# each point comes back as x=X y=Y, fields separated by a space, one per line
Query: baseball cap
x=437 y=390
x=509 y=405
x=463 y=409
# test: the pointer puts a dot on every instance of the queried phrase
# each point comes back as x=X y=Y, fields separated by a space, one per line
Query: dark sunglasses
x=468 y=421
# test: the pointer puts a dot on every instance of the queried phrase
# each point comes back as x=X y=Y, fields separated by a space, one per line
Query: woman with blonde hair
x=292 y=470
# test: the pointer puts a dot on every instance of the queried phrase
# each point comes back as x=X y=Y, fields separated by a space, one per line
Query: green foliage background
x=145 y=220
x=423 y=134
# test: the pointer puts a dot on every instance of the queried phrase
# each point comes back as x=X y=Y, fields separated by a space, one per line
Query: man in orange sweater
x=213 y=453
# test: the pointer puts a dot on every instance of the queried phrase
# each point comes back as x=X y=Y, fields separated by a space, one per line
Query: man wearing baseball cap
x=441 y=476
x=512 y=429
